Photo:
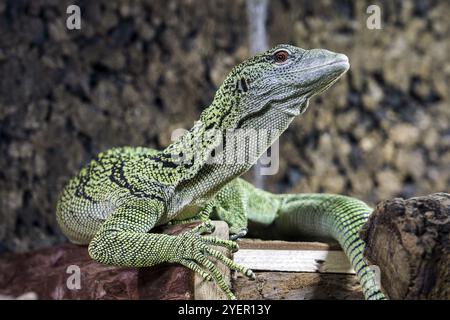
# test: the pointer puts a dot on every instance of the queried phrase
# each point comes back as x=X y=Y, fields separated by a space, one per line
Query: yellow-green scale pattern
x=116 y=200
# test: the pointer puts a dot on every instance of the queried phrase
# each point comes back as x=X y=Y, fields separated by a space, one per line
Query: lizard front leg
x=203 y=215
x=123 y=240
x=230 y=205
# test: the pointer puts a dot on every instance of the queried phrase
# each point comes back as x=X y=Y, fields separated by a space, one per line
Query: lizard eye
x=281 y=56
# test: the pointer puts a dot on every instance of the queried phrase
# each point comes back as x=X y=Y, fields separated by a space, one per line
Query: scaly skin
x=281 y=216
x=120 y=196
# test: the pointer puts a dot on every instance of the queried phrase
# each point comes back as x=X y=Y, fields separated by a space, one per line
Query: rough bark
x=410 y=242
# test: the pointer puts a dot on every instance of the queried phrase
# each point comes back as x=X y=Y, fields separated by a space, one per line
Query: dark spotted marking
x=244 y=85
x=118 y=177
x=165 y=163
x=80 y=190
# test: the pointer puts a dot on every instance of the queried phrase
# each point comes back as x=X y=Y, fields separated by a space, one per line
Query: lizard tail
x=335 y=216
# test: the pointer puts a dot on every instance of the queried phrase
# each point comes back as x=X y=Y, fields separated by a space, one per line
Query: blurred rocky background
x=139 y=69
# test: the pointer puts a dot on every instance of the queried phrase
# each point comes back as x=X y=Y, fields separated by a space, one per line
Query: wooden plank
x=325 y=261
x=247 y=243
x=208 y=290
x=277 y=285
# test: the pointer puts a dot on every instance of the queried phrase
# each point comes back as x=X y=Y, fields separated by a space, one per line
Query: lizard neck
x=235 y=154
x=193 y=150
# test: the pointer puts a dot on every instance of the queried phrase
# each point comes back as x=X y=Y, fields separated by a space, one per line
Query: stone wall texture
x=139 y=69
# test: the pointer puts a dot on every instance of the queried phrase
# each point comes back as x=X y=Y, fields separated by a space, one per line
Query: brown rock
x=373 y=97
x=404 y=134
x=389 y=183
x=57 y=30
x=410 y=163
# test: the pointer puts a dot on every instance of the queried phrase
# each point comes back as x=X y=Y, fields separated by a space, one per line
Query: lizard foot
x=200 y=217
x=194 y=251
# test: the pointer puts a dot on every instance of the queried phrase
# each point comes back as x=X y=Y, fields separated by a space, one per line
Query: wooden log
x=45 y=273
x=409 y=240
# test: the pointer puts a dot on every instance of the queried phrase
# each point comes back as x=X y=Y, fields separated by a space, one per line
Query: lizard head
x=262 y=96
x=278 y=83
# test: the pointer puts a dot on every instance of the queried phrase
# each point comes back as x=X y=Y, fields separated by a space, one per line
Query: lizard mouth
x=304 y=106
x=336 y=69
x=333 y=71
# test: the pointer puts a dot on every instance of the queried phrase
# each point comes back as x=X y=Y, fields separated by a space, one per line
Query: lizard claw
x=195 y=252
x=204 y=227
x=239 y=234
x=250 y=274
